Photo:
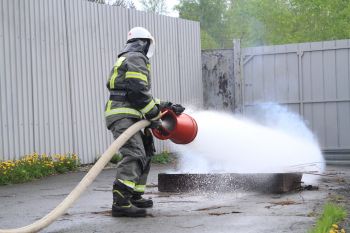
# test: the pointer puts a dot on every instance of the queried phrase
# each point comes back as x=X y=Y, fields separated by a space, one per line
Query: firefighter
x=130 y=100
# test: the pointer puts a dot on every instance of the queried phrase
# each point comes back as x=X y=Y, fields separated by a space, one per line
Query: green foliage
x=156 y=6
x=162 y=158
x=98 y=1
x=122 y=3
x=293 y=21
x=332 y=214
x=262 y=22
x=251 y=21
x=207 y=42
x=211 y=14
x=36 y=166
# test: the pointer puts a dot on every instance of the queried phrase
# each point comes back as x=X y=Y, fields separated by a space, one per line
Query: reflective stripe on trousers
x=128 y=183
x=140 y=188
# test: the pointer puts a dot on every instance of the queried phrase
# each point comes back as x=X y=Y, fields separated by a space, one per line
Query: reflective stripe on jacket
x=130 y=74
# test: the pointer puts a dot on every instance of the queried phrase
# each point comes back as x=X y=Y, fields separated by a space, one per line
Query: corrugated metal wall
x=312 y=79
x=55 y=57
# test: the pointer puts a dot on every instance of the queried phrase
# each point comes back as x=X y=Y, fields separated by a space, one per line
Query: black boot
x=122 y=207
x=140 y=202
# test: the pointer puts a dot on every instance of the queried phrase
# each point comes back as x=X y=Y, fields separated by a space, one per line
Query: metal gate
x=312 y=79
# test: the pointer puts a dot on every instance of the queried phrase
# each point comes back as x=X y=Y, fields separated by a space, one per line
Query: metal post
x=237 y=74
x=300 y=82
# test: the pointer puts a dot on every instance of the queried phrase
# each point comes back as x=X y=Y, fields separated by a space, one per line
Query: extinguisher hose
x=84 y=183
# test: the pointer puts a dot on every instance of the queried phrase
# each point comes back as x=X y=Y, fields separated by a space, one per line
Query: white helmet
x=142 y=33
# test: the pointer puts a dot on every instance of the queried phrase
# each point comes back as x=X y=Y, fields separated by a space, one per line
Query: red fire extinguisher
x=180 y=129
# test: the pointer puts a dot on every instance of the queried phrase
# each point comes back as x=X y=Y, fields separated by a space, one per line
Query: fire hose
x=182 y=129
x=83 y=184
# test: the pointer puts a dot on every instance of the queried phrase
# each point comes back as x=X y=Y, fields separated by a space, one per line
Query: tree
x=211 y=14
x=289 y=21
x=156 y=6
x=264 y=22
x=122 y=3
x=207 y=42
x=98 y=1
x=326 y=19
x=258 y=22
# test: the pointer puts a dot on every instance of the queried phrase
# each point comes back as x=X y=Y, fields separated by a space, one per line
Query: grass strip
x=162 y=158
x=332 y=215
x=35 y=166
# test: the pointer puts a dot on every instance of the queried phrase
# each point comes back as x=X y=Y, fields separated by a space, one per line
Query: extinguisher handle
x=159 y=116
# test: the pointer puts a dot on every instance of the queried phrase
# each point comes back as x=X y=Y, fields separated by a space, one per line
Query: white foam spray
x=271 y=140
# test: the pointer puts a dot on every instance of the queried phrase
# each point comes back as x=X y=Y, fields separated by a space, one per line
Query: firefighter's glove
x=156 y=124
x=177 y=108
x=154 y=112
x=165 y=105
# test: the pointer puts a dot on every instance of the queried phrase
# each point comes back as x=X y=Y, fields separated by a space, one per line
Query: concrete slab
x=173 y=212
x=229 y=182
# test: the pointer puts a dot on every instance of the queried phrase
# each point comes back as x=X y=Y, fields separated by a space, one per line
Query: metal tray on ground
x=263 y=182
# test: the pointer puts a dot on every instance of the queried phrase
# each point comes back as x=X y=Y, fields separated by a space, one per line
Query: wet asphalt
x=236 y=211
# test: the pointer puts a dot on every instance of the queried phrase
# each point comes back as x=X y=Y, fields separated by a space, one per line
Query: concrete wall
x=218 y=79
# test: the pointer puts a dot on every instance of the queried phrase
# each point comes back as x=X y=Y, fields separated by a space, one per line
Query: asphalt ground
x=235 y=211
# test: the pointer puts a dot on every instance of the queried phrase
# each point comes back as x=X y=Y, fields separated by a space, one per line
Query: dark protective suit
x=130 y=100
